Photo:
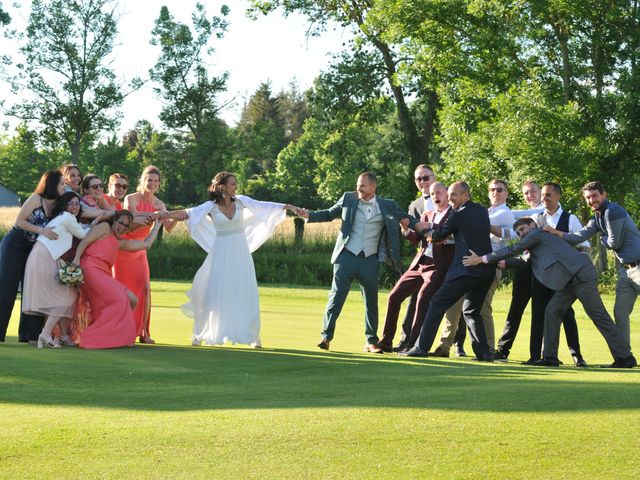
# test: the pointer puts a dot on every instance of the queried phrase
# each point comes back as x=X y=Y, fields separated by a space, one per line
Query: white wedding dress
x=224 y=296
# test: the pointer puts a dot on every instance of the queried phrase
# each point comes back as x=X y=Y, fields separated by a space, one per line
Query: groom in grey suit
x=369 y=234
x=571 y=274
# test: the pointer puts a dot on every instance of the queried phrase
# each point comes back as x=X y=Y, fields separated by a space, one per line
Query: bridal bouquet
x=70 y=274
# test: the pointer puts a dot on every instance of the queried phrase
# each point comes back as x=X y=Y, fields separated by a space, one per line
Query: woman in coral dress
x=132 y=268
x=112 y=322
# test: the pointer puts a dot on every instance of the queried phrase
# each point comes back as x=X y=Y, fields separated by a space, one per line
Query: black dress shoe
x=439 y=352
x=579 y=361
x=483 y=358
x=385 y=348
x=546 y=362
x=324 y=344
x=401 y=346
x=500 y=357
x=627 y=362
x=531 y=361
x=413 y=352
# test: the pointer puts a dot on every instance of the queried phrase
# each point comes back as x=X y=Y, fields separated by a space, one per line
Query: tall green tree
x=66 y=70
x=181 y=72
x=5 y=18
x=260 y=132
x=22 y=161
x=375 y=44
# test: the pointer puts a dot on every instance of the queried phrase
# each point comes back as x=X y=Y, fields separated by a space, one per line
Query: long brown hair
x=48 y=185
x=216 y=192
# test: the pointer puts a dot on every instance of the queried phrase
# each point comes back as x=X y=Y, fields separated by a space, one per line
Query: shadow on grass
x=168 y=377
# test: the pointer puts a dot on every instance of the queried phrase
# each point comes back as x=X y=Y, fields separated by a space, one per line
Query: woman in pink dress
x=132 y=268
x=112 y=323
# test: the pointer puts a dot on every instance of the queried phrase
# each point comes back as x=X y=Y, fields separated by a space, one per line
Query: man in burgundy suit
x=425 y=274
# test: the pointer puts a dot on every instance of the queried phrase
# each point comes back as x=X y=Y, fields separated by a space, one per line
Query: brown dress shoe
x=439 y=352
x=324 y=344
x=371 y=348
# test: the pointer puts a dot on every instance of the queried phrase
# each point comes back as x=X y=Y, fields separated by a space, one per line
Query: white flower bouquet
x=70 y=274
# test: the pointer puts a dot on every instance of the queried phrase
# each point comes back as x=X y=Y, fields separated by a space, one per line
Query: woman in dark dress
x=16 y=246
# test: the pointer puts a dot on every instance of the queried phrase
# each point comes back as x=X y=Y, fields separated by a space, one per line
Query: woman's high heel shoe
x=46 y=342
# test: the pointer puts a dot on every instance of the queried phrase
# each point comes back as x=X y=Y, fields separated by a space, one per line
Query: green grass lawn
x=292 y=411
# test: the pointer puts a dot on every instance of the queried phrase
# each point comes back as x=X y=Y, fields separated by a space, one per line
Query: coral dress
x=132 y=269
x=112 y=323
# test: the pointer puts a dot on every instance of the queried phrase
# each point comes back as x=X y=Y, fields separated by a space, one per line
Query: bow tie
x=366 y=202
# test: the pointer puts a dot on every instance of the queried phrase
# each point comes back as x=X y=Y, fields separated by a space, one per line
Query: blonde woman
x=132 y=267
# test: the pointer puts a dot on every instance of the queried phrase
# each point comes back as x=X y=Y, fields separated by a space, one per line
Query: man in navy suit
x=369 y=234
x=469 y=224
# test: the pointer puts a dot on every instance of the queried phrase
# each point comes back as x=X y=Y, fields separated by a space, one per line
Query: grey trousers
x=583 y=286
x=347 y=268
x=627 y=290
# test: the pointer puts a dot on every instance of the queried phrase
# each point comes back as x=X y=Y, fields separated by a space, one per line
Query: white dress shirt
x=545 y=218
x=369 y=210
x=428 y=203
x=502 y=216
x=428 y=252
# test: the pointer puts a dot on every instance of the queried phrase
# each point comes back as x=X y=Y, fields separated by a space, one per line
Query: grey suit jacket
x=346 y=207
x=416 y=208
x=553 y=261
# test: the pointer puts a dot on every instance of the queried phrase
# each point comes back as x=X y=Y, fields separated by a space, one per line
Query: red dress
x=132 y=269
x=112 y=324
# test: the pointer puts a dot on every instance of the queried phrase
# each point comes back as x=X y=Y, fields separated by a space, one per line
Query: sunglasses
x=425 y=178
x=96 y=186
x=121 y=185
x=496 y=189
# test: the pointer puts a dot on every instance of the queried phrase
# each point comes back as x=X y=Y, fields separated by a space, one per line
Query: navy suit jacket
x=470 y=228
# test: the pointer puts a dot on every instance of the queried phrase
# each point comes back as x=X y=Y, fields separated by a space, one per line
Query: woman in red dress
x=112 y=322
x=132 y=268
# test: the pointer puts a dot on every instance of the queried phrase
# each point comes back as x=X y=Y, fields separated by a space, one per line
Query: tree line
x=479 y=89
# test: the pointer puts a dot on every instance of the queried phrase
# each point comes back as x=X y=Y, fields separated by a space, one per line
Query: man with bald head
x=469 y=225
x=425 y=274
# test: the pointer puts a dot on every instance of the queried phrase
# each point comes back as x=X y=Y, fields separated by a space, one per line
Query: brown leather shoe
x=439 y=352
x=371 y=348
x=324 y=344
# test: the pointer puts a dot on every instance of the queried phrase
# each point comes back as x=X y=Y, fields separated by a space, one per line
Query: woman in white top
x=42 y=294
x=224 y=295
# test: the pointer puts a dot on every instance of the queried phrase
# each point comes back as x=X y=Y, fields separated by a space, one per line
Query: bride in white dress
x=224 y=295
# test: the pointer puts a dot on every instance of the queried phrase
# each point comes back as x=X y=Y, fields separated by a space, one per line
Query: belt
x=630 y=265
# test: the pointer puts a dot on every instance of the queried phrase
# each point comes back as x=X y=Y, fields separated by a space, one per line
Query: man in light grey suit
x=369 y=234
x=571 y=274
